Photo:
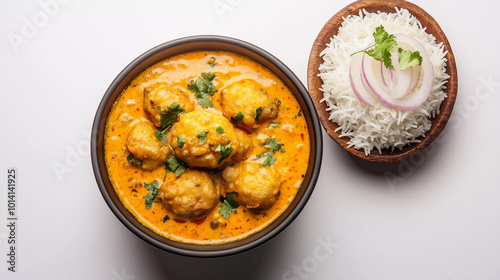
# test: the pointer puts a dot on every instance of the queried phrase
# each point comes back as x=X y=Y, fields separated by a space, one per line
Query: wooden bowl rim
x=314 y=82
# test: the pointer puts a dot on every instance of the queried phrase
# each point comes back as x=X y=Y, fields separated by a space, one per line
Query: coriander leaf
x=224 y=211
x=273 y=144
x=381 y=50
x=180 y=141
x=152 y=186
x=238 y=118
x=219 y=130
x=166 y=218
x=225 y=151
x=160 y=135
x=180 y=169
x=131 y=158
x=204 y=100
x=175 y=165
x=383 y=39
x=264 y=154
x=386 y=59
x=168 y=117
x=274 y=124
x=200 y=85
x=172 y=163
x=408 y=58
x=212 y=62
x=203 y=88
x=192 y=86
x=153 y=191
x=269 y=161
x=231 y=202
x=202 y=138
x=229 y=206
x=256 y=113
x=208 y=77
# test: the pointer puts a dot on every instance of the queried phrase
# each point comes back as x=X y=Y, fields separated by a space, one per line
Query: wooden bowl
x=314 y=82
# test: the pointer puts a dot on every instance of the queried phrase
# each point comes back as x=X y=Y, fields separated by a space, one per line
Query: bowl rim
x=99 y=127
x=330 y=28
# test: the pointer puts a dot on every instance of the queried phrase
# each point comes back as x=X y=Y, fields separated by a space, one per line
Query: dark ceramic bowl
x=167 y=50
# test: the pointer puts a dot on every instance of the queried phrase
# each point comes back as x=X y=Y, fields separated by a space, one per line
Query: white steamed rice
x=377 y=127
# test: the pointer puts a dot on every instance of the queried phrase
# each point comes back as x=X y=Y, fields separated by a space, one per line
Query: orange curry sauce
x=289 y=128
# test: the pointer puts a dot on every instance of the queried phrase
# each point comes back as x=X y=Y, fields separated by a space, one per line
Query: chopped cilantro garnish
x=180 y=141
x=229 y=206
x=175 y=165
x=219 y=130
x=409 y=58
x=202 y=138
x=238 y=118
x=381 y=50
x=269 y=161
x=203 y=88
x=161 y=136
x=224 y=151
x=256 y=113
x=131 y=158
x=273 y=145
x=224 y=211
x=209 y=76
x=212 y=62
x=166 y=218
x=168 y=117
x=153 y=191
x=384 y=45
x=204 y=100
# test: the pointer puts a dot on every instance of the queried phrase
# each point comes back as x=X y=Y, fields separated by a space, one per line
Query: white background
x=435 y=217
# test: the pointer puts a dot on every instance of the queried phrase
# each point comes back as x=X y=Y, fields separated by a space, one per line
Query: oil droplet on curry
x=206 y=147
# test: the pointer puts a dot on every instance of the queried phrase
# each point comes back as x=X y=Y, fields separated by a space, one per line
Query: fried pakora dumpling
x=202 y=138
x=249 y=98
x=164 y=95
x=191 y=196
x=147 y=150
x=257 y=186
x=245 y=146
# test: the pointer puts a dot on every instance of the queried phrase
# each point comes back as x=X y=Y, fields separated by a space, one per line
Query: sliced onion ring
x=402 y=78
x=416 y=77
x=408 y=101
x=357 y=83
x=387 y=75
x=417 y=98
x=372 y=83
